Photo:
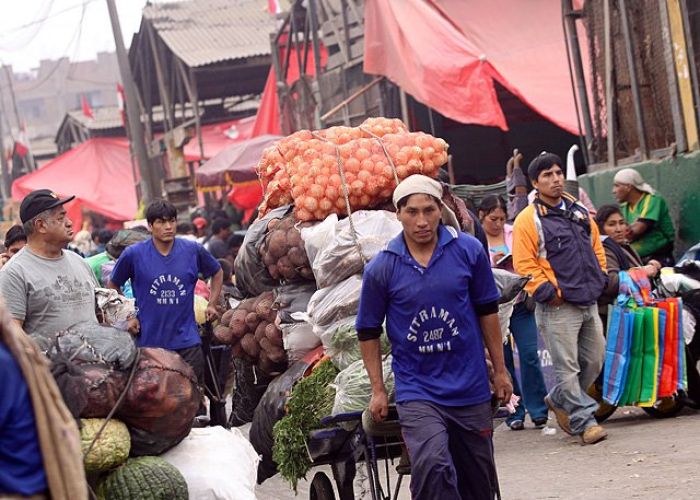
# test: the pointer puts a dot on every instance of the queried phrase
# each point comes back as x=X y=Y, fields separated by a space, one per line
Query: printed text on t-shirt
x=168 y=289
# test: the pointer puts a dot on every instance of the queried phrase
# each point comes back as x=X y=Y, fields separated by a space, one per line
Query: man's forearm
x=491 y=330
x=372 y=357
x=113 y=286
x=217 y=283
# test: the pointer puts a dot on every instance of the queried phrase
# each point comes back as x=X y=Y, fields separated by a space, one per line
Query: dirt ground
x=642 y=458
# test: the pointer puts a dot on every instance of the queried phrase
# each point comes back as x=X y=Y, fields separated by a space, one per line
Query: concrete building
x=45 y=95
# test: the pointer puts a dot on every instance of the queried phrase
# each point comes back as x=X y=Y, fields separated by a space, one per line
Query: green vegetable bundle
x=310 y=400
x=342 y=344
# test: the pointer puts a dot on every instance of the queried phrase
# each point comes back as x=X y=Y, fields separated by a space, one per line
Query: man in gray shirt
x=47 y=288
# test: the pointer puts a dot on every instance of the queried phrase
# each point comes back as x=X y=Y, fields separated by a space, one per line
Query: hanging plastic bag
x=353 y=389
x=342 y=345
x=299 y=339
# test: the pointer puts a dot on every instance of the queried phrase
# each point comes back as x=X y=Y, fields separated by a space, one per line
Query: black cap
x=38 y=201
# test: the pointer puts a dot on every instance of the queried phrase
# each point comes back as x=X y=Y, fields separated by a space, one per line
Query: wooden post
x=690 y=50
x=674 y=95
x=198 y=119
x=609 y=90
x=634 y=81
x=168 y=117
x=683 y=72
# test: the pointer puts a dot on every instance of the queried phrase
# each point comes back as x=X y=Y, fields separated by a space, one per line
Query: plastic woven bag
x=650 y=357
x=633 y=384
x=617 y=352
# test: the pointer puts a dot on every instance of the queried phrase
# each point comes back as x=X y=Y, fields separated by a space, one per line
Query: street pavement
x=642 y=458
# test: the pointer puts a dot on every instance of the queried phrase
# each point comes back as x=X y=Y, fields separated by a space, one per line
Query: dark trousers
x=451 y=450
x=194 y=357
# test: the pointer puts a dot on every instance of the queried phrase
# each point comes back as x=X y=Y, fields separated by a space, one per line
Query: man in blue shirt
x=163 y=272
x=21 y=464
x=434 y=286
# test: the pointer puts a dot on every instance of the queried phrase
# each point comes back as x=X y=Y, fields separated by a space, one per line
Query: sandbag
x=87 y=342
x=252 y=277
x=161 y=401
x=217 y=464
x=271 y=409
x=340 y=257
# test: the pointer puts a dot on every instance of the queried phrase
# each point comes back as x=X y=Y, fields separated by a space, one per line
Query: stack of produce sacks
x=324 y=171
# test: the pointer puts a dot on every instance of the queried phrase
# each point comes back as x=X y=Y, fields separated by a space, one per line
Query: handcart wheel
x=321 y=488
x=665 y=407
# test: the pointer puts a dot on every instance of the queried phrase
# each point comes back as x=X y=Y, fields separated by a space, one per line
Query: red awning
x=448 y=53
x=218 y=136
x=235 y=164
x=98 y=172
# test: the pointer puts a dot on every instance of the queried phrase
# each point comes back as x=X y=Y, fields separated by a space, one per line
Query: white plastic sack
x=116 y=309
x=505 y=311
x=217 y=464
x=299 y=339
x=338 y=257
x=334 y=303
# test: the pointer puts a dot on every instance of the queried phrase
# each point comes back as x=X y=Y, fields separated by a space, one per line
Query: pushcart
x=352 y=438
x=216 y=367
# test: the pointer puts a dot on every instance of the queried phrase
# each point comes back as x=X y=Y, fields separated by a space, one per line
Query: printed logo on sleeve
x=168 y=289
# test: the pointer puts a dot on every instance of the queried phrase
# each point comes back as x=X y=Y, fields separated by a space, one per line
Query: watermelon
x=143 y=477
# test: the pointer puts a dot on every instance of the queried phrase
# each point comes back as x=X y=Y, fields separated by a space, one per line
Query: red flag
x=87 y=110
x=274 y=7
x=22 y=143
x=121 y=100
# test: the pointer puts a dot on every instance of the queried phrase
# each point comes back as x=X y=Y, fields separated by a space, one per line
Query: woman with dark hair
x=493 y=215
x=620 y=256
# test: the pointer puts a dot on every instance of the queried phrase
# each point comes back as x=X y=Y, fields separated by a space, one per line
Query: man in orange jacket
x=556 y=241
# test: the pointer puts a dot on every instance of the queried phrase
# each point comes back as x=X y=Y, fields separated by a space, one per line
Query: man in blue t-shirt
x=434 y=286
x=21 y=463
x=163 y=271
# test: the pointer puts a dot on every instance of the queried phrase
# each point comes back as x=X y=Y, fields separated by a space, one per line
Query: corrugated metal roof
x=104 y=118
x=202 y=32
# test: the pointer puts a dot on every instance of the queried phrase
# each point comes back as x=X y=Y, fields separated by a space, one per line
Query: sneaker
x=540 y=422
x=593 y=434
x=562 y=416
x=516 y=425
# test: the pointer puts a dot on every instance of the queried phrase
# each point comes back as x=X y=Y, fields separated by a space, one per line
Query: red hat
x=199 y=222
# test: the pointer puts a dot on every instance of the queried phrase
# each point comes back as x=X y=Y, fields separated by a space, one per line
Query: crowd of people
x=432 y=287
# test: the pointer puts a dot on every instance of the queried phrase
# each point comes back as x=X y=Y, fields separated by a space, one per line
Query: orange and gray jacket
x=561 y=250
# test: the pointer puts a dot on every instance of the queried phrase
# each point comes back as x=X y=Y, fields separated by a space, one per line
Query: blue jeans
x=533 y=389
x=574 y=337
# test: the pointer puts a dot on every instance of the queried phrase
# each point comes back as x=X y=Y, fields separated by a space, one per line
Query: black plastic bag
x=251 y=384
x=292 y=298
x=88 y=342
x=270 y=410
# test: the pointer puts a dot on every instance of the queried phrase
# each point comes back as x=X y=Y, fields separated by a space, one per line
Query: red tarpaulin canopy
x=98 y=172
x=235 y=164
x=217 y=136
x=448 y=53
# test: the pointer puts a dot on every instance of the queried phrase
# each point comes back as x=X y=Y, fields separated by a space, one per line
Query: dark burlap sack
x=162 y=401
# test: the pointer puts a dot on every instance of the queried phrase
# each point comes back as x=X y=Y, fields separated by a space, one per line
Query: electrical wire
x=18 y=43
x=49 y=16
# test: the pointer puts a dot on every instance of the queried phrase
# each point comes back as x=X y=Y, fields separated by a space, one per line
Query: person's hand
x=496 y=256
x=502 y=386
x=379 y=405
x=133 y=326
x=212 y=313
x=556 y=301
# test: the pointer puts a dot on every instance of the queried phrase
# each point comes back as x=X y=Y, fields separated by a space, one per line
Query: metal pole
x=13 y=98
x=570 y=17
x=609 y=89
x=634 y=83
x=133 y=113
x=674 y=95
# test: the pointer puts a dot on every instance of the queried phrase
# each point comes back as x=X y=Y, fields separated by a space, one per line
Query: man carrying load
x=434 y=286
